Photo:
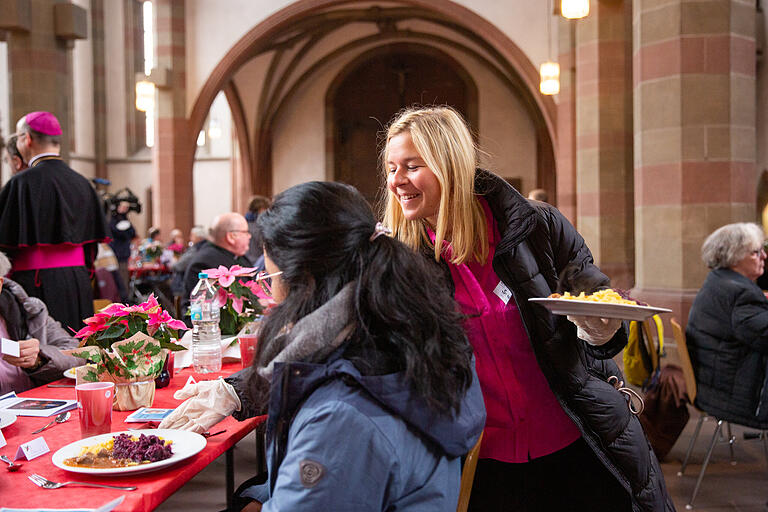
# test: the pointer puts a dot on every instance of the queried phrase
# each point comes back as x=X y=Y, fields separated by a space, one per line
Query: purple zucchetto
x=43 y=122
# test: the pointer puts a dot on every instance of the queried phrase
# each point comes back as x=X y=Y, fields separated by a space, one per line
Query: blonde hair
x=443 y=140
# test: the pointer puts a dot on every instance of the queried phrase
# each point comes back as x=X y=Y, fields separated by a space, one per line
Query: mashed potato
x=608 y=296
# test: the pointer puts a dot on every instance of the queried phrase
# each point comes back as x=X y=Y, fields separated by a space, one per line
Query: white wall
x=7 y=125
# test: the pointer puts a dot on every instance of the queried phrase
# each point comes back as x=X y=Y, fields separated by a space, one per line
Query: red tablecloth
x=153 y=488
x=148 y=268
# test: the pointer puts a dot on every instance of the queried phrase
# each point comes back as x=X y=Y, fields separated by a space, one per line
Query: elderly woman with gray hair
x=727 y=332
x=41 y=339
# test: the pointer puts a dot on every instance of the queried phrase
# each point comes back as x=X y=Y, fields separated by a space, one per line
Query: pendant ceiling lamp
x=550 y=78
x=145 y=95
x=574 y=9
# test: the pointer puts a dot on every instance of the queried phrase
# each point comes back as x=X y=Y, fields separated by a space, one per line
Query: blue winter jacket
x=341 y=441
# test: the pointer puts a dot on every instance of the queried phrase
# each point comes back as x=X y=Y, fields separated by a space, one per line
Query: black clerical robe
x=49 y=206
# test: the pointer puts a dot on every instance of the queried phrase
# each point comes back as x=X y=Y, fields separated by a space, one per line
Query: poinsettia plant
x=241 y=300
x=117 y=322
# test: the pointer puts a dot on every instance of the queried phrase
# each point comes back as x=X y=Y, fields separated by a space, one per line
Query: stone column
x=694 y=119
x=40 y=36
x=566 y=120
x=604 y=183
x=171 y=184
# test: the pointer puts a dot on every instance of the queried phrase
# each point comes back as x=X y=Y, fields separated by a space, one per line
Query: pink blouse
x=525 y=420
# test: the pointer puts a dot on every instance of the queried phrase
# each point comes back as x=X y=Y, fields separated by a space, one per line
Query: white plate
x=71 y=373
x=601 y=309
x=6 y=418
x=185 y=445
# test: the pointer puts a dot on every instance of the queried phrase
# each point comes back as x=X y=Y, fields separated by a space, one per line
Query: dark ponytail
x=319 y=235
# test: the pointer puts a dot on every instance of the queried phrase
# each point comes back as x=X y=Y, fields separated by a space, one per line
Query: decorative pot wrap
x=132 y=364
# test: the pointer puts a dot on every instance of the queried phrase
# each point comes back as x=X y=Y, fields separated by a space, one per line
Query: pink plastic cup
x=248 y=344
x=95 y=407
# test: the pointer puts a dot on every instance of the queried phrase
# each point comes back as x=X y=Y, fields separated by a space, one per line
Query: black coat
x=537 y=245
x=209 y=255
x=727 y=337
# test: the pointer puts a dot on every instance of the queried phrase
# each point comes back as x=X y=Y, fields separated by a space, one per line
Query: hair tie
x=379 y=230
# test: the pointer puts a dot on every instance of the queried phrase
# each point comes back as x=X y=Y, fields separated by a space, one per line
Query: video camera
x=124 y=195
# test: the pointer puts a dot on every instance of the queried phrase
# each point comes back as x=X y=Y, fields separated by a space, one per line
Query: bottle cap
x=202 y=275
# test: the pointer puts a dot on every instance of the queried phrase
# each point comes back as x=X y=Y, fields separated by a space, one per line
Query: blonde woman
x=558 y=436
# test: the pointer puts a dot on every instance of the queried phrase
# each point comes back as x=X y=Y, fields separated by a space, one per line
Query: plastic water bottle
x=206 y=336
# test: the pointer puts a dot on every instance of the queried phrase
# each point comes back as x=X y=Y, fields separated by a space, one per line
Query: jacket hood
x=310 y=354
x=455 y=434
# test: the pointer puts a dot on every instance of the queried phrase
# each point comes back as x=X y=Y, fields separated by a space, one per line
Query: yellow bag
x=639 y=367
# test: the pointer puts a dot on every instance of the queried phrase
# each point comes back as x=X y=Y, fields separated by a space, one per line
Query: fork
x=43 y=482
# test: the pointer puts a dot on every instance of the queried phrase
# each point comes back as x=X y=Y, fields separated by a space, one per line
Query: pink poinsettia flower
x=237 y=304
x=226 y=276
x=116 y=309
x=159 y=318
x=151 y=305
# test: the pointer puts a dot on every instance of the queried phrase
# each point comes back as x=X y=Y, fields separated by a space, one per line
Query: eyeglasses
x=756 y=252
x=241 y=231
x=265 y=281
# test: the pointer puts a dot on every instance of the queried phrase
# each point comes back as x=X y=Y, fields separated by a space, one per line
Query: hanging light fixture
x=574 y=9
x=550 y=78
x=145 y=95
x=549 y=71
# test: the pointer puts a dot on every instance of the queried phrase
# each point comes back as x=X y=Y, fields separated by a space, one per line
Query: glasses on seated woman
x=363 y=362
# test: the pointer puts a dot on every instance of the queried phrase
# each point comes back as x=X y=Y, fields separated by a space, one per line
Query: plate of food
x=119 y=453
x=606 y=303
x=6 y=418
x=72 y=372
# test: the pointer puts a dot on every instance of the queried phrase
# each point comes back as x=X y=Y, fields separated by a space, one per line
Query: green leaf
x=114 y=332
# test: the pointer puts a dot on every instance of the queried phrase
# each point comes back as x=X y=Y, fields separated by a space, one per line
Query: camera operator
x=123 y=233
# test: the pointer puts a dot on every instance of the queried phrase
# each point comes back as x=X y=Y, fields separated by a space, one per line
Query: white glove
x=209 y=402
x=595 y=330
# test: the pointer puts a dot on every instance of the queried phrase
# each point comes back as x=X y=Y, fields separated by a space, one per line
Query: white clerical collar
x=38 y=157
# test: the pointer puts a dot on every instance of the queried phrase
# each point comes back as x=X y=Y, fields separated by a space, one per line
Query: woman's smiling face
x=413 y=183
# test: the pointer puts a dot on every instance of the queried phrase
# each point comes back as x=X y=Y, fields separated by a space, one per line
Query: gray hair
x=199 y=231
x=729 y=244
x=5 y=265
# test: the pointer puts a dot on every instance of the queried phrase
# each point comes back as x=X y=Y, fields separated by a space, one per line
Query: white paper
x=38 y=407
x=31 y=449
x=9 y=347
x=183 y=358
x=3 y=442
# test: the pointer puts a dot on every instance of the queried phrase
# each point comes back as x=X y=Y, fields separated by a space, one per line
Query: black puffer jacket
x=727 y=337
x=537 y=245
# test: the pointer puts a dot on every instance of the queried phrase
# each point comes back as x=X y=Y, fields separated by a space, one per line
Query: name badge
x=502 y=292
x=32 y=449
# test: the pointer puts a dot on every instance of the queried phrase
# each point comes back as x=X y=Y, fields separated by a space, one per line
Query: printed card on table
x=148 y=414
x=31 y=449
x=40 y=407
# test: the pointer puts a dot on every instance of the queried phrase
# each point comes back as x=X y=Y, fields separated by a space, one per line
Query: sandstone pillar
x=604 y=182
x=694 y=119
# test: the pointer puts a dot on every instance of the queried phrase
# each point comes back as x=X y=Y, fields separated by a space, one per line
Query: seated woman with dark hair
x=727 y=331
x=364 y=364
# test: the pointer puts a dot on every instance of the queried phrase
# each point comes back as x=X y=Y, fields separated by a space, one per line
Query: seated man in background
x=727 y=331
x=229 y=243
x=25 y=319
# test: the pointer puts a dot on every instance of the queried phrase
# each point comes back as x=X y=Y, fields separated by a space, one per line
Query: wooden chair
x=690 y=384
x=468 y=476
x=177 y=306
x=99 y=304
x=654 y=347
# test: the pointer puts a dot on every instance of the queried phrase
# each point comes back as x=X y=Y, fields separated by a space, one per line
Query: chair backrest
x=652 y=346
x=685 y=359
x=99 y=304
x=468 y=476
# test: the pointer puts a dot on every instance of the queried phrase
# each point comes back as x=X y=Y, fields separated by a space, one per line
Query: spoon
x=61 y=418
x=12 y=466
